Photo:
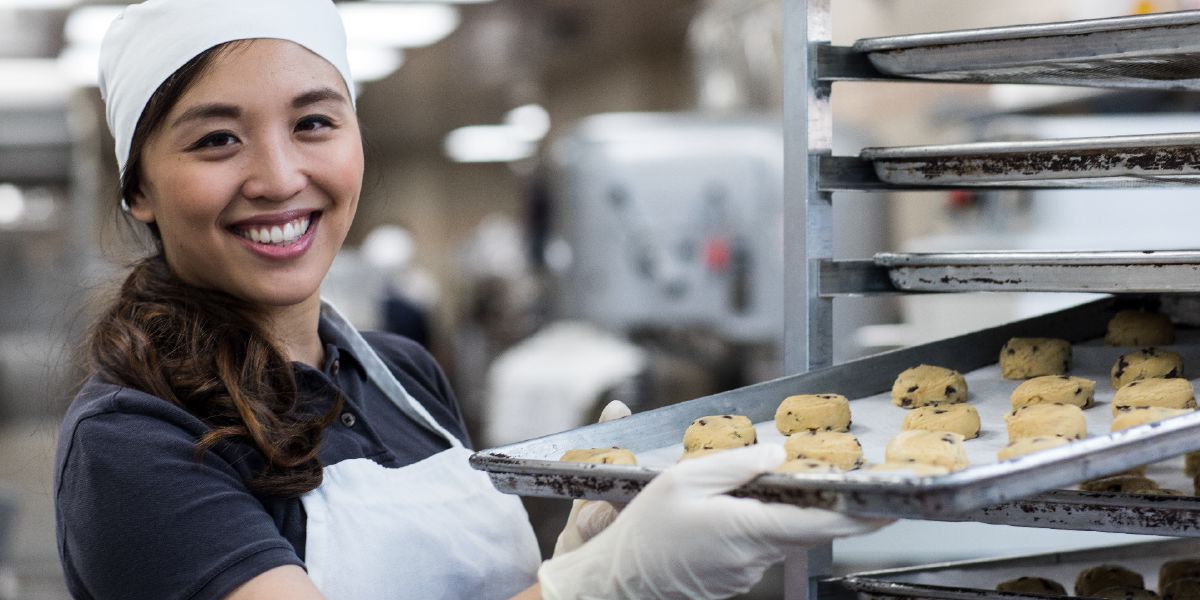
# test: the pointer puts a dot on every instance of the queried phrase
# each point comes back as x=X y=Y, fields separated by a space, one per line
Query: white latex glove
x=589 y=517
x=682 y=537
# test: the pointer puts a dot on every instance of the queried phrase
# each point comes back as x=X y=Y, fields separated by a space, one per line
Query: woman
x=239 y=439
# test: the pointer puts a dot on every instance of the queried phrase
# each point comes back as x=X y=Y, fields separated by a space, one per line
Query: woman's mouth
x=277 y=235
x=287 y=237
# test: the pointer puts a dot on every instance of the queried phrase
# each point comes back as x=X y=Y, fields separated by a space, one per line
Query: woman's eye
x=216 y=140
x=313 y=123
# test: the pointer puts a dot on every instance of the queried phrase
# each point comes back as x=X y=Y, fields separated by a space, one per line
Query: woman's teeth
x=275 y=234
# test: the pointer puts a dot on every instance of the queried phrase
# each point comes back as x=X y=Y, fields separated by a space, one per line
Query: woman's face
x=254 y=176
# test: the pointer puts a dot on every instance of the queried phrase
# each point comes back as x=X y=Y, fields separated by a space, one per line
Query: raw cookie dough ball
x=1032 y=585
x=1163 y=492
x=1022 y=358
x=719 y=432
x=1145 y=364
x=941 y=448
x=806 y=465
x=925 y=385
x=1155 y=391
x=1181 y=589
x=1029 y=445
x=602 y=456
x=909 y=468
x=962 y=419
x=1126 y=593
x=1055 y=389
x=1191 y=463
x=1095 y=579
x=1140 y=415
x=813 y=412
x=1034 y=420
x=1138 y=328
x=1175 y=570
x=700 y=453
x=1122 y=484
x=841 y=449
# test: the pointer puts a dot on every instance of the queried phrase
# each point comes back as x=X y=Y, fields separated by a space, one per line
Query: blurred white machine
x=671 y=220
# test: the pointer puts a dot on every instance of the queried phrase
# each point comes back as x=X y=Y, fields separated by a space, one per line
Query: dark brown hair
x=204 y=350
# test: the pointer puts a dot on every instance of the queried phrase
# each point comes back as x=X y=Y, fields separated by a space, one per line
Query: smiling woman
x=238 y=438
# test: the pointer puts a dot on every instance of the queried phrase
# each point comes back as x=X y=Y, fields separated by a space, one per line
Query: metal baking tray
x=977 y=579
x=1160 y=51
x=532 y=468
x=1126 y=271
x=1119 y=161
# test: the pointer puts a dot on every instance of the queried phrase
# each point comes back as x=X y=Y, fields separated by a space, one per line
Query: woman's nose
x=276 y=172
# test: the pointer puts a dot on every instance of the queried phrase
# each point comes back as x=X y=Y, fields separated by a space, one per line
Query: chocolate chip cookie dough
x=925 y=385
x=602 y=456
x=1145 y=364
x=941 y=448
x=813 y=412
x=1064 y=420
x=1138 y=328
x=962 y=419
x=843 y=450
x=1055 y=389
x=1155 y=391
x=719 y=432
x=1023 y=358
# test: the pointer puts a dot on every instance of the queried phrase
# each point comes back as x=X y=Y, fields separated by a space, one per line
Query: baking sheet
x=1160 y=51
x=959 y=580
x=990 y=492
x=1167 y=159
x=876 y=420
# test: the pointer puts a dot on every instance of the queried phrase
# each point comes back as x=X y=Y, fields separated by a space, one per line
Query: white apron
x=434 y=529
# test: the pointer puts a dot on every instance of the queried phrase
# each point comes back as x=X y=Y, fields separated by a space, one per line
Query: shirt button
x=333 y=369
x=348 y=419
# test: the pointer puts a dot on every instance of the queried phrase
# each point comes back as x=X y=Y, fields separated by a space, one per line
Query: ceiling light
x=372 y=63
x=87 y=25
x=531 y=122
x=12 y=204
x=31 y=82
x=398 y=25
x=430 y=1
x=487 y=143
x=35 y=4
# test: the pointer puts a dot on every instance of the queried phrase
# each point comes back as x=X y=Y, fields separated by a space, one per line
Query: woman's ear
x=140 y=207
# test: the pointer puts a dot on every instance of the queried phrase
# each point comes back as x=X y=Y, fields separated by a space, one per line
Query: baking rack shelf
x=1110 y=162
x=977 y=579
x=1160 y=51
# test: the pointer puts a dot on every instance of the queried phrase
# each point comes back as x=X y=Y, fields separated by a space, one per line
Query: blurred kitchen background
x=567 y=201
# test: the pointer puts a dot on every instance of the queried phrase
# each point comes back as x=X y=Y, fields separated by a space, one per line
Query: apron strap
x=382 y=377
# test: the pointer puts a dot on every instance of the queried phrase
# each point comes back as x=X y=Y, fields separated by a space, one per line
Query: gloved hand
x=681 y=537
x=589 y=517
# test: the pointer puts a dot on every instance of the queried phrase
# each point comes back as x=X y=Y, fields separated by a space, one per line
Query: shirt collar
x=336 y=344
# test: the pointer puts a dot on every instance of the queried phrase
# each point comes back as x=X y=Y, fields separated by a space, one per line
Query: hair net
x=150 y=41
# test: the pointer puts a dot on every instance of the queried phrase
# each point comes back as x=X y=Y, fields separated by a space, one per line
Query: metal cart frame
x=812 y=277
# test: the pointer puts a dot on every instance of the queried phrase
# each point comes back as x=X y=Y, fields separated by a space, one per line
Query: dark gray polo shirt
x=140 y=516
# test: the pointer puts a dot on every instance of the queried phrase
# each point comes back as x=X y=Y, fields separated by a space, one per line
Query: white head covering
x=152 y=40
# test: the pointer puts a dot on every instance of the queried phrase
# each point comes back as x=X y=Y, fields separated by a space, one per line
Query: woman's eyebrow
x=315 y=96
x=208 y=111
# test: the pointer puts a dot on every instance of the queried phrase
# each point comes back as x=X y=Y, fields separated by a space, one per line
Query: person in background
x=389 y=250
x=240 y=439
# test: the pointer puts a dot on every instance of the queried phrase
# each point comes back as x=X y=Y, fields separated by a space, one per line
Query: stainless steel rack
x=1148 y=52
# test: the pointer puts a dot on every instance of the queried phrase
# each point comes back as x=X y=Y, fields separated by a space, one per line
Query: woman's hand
x=590 y=517
x=682 y=537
